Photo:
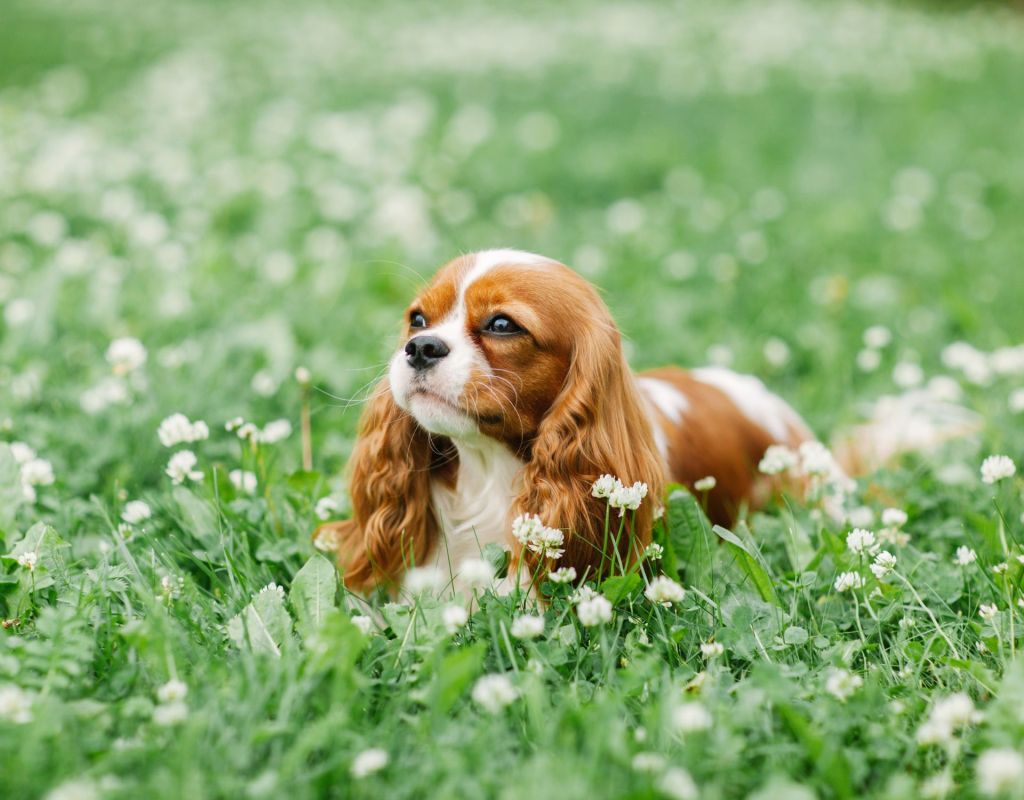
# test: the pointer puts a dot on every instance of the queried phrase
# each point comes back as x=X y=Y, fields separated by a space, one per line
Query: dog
x=509 y=394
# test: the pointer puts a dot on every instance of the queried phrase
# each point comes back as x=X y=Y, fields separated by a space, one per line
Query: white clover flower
x=778 y=459
x=664 y=591
x=182 y=466
x=628 y=497
x=849 y=580
x=421 y=580
x=326 y=540
x=75 y=789
x=605 y=486
x=22 y=452
x=476 y=573
x=997 y=468
x=176 y=429
x=233 y=424
x=815 y=459
x=907 y=374
x=988 y=611
x=528 y=626
x=172 y=692
x=364 y=623
x=37 y=472
x=677 y=784
x=594 y=611
x=243 y=480
x=706 y=484
x=28 y=560
x=868 y=360
x=648 y=762
x=711 y=650
x=885 y=562
x=654 y=552
x=1000 y=771
x=274 y=432
x=167 y=714
x=537 y=537
x=948 y=715
x=1016 y=401
x=170 y=588
x=111 y=391
x=841 y=683
x=562 y=575
x=15 y=704
x=860 y=541
x=860 y=517
x=894 y=518
x=582 y=594
x=136 y=511
x=303 y=376
x=964 y=556
x=877 y=337
x=126 y=355
x=368 y=762
x=494 y=692
x=938 y=786
x=325 y=508
x=454 y=617
x=247 y=431
x=691 y=718
x=1000 y=568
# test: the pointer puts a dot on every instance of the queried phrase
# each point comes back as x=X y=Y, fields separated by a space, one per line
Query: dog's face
x=488 y=344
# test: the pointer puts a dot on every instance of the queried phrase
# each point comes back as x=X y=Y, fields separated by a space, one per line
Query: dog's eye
x=417 y=320
x=501 y=324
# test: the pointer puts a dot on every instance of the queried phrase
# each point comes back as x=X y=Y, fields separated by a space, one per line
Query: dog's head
x=517 y=348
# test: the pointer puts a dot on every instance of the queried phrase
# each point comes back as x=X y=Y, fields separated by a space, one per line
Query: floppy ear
x=596 y=426
x=392 y=525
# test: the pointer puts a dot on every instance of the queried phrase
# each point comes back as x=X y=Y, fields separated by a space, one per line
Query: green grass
x=249 y=188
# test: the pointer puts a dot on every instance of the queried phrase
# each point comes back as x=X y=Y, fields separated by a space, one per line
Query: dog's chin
x=437 y=415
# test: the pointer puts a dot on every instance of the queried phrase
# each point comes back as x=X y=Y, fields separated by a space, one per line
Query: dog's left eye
x=501 y=324
x=417 y=320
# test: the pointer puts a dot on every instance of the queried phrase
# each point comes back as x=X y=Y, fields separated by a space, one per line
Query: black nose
x=425 y=351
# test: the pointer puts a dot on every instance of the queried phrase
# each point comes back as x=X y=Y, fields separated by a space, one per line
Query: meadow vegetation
x=211 y=217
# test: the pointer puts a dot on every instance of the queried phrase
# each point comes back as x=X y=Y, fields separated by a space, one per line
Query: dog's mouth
x=428 y=394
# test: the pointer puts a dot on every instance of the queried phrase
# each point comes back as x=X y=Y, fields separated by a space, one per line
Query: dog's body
x=510 y=395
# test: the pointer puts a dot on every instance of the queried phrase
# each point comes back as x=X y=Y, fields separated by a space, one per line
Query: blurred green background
x=247 y=187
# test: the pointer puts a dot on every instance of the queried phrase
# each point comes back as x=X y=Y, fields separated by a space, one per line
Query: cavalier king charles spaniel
x=509 y=394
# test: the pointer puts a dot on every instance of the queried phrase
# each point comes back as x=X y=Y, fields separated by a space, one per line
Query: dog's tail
x=916 y=421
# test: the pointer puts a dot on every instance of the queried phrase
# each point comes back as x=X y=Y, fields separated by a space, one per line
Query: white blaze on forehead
x=754 y=400
x=486 y=260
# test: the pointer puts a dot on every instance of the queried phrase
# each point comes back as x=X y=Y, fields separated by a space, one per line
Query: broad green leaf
x=498 y=557
x=753 y=565
x=199 y=518
x=618 y=588
x=312 y=594
x=454 y=674
x=264 y=625
x=689 y=534
x=794 y=634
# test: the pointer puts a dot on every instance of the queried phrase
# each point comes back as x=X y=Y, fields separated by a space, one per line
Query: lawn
x=199 y=199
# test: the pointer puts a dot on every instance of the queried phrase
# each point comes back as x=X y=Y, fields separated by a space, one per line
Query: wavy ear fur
x=596 y=426
x=392 y=526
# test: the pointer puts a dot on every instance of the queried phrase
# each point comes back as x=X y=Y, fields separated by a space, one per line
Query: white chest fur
x=476 y=511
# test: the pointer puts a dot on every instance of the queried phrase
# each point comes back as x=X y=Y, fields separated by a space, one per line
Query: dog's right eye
x=417 y=320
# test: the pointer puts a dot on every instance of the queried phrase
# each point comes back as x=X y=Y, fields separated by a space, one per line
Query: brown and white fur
x=475 y=426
